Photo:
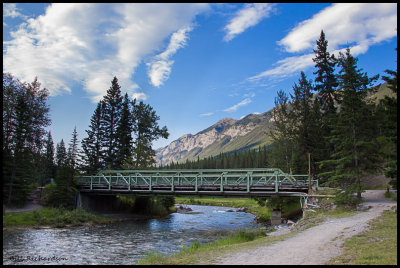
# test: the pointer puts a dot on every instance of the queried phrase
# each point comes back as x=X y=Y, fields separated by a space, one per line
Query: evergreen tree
x=356 y=154
x=25 y=115
x=110 y=121
x=73 y=152
x=325 y=82
x=387 y=110
x=61 y=154
x=282 y=133
x=124 y=132
x=92 y=145
x=49 y=163
x=306 y=117
x=146 y=130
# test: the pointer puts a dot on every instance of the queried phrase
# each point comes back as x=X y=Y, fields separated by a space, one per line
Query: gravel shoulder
x=317 y=244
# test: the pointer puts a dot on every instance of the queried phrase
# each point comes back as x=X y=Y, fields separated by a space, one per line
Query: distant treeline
x=238 y=159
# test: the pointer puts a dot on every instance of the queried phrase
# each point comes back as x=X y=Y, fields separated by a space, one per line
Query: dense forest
x=346 y=134
x=331 y=119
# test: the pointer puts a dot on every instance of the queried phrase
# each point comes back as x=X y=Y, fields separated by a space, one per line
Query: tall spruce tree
x=305 y=118
x=325 y=81
x=73 y=150
x=110 y=121
x=356 y=153
x=61 y=154
x=49 y=164
x=124 y=132
x=92 y=145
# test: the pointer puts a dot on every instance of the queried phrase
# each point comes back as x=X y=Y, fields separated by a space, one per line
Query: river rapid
x=123 y=242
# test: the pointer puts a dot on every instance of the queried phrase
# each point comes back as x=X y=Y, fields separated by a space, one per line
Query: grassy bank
x=198 y=252
x=52 y=217
x=377 y=245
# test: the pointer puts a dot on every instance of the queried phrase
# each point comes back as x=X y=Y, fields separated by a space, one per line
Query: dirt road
x=317 y=244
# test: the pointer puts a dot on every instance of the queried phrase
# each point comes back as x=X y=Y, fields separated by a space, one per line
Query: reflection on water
x=123 y=242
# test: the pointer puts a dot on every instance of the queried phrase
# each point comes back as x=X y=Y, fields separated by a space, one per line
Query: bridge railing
x=249 y=178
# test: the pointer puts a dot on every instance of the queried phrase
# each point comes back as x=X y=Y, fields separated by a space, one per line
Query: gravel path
x=29 y=206
x=317 y=244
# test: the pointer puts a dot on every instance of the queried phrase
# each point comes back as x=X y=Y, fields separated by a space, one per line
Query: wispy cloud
x=236 y=106
x=247 y=17
x=207 y=114
x=357 y=25
x=92 y=43
x=139 y=96
x=160 y=66
x=11 y=10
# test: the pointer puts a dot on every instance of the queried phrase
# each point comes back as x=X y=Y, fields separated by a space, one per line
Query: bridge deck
x=226 y=182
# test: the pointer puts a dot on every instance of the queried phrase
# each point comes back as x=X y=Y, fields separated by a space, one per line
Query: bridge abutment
x=98 y=203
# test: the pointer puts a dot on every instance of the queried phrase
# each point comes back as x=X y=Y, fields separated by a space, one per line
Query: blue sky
x=193 y=63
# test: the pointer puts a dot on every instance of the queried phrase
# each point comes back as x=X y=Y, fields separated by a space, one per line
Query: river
x=124 y=242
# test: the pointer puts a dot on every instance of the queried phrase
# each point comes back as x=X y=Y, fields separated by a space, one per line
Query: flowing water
x=124 y=242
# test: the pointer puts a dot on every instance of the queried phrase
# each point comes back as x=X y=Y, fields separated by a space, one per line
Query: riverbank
x=310 y=233
x=262 y=213
x=52 y=218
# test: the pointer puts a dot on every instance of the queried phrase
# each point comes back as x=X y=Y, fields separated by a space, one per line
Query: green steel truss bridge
x=201 y=182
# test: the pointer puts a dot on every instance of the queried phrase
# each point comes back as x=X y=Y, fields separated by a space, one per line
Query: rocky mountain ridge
x=220 y=137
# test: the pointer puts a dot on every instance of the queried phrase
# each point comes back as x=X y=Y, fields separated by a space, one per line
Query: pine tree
x=49 y=171
x=387 y=110
x=146 y=130
x=325 y=82
x=92 y=145
x=124 y=132
x=305 y=118
x=73 y=151
x=356 y=154
x=110 y=121
x=61 y=154
x=282 y=133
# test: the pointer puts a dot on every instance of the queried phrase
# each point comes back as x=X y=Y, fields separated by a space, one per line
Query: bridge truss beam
x=215 y=182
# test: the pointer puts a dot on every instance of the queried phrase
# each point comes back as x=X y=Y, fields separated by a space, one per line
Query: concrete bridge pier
x=97 y=203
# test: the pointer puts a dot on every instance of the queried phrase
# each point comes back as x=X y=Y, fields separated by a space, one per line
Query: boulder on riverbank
x=243 y=209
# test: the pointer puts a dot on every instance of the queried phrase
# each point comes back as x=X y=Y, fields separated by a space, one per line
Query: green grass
x=197 y=251
x=391 y=195
x=375 y=246
x=53 y=217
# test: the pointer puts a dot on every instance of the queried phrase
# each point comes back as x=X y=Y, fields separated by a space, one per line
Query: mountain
x=229 y=135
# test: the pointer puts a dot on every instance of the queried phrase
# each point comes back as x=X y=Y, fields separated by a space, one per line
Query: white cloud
x=92 y=43
x=11 y=10
x=160 y=66
x=139 y=96
x=357 y=25
x=207 y=114
x=345 y=23
x=287 y=67
x=247 y=17
x=236 y=106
